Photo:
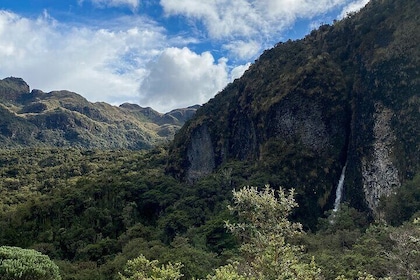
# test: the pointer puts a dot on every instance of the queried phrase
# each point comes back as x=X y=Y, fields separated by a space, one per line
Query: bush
x=26 y=264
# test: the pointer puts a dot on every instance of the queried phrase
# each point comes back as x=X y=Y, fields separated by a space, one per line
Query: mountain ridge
x=66 y=119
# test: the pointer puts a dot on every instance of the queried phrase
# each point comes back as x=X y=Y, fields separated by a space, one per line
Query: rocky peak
x=11 y=89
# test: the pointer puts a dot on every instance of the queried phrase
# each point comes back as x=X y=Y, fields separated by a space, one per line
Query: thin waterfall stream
x=339 y=191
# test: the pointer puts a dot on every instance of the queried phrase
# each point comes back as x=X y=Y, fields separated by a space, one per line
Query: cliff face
x=200 y=154
x=345 y=93
x=380 y=176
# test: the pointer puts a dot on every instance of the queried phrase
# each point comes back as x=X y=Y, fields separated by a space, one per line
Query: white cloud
x=259 y=22
x=262 y=20
x=221 y=18
x=243 y=49
x=102 y=65
x=238 y=71
x=353 y=7
x=110 y=65
x=180 y=77
x=133 y=4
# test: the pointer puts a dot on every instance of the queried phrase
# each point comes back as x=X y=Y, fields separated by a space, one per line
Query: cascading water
x=340 y=187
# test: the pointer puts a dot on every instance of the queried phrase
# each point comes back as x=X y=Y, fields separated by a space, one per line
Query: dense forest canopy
x=92 y=211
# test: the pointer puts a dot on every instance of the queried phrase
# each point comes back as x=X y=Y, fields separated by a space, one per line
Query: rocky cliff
x=66 y=119
x=346 y=93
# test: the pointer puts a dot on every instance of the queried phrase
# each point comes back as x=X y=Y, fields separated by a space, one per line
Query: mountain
x=347 y=94
x=66 y=119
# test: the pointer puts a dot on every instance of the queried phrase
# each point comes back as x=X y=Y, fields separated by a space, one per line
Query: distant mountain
x=66 y=119
x=345 y=95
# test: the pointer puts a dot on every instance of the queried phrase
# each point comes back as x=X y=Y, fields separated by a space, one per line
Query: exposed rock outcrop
x=299 y=120
x=200 y=154
x=379 y=173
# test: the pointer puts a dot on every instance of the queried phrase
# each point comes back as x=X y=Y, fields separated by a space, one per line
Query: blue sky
x=164 y=54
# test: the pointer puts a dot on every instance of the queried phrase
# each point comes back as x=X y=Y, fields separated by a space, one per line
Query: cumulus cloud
x=110 y=65
x=353 y=7
x=243 y=49
x=250 y=24
x=133 y=4
x=246 y=18
x=182 y=77
x=238 y=71
x=101 y=64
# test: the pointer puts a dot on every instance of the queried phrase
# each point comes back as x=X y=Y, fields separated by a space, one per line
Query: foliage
x=360 y=276
x=404 y=204
x=265 y=232
x=93 y=210
x=228 y=272
x=405 y=257
x=380 y=250
x=141 y=268
x=26 y=264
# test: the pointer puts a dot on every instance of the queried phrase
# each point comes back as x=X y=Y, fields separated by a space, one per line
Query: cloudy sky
x=160 y=53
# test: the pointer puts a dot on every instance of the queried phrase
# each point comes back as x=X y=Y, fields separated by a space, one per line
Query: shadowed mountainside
x=346 y=93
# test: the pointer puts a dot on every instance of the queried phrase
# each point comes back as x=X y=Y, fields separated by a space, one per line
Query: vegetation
x=92 y=211
x=266 y=233
x=26 y=264
x=141 y=268
x=268 y=252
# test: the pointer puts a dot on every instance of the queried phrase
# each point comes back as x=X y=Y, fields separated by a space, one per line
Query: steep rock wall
x=294 y=119
x=200 y=154
x=244 y=144
x=379 y=173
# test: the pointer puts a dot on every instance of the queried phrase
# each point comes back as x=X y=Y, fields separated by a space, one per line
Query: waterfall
x=340 y=187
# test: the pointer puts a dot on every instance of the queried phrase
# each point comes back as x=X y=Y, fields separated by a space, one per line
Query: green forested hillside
x=91 y=211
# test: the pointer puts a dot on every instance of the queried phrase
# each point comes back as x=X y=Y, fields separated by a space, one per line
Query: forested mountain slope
x=345 y=95
x=66 y=119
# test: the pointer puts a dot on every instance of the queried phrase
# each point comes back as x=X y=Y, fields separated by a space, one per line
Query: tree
x=405 y=255
x=26 y=264
x=266 y=233
x=141 y=268
x=228 y=272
